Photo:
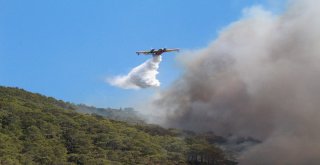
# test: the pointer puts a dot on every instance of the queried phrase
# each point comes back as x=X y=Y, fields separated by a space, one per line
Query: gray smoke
x=259 y=78
x=142 y=76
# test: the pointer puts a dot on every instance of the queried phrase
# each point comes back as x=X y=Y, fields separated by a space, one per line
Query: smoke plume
x=260 y=78
x=142 y=76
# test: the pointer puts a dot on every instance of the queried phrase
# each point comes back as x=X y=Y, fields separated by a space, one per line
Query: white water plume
x=142 y=76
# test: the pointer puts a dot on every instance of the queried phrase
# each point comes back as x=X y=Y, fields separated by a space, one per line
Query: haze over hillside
x=126 y=114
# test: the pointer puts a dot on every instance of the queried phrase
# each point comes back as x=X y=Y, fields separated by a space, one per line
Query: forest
x=35 y=129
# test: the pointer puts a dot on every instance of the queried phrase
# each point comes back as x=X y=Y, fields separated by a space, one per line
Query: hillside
x=35 y=129
x=128 y=115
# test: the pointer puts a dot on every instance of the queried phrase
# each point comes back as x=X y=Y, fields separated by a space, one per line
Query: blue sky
x=67 y=48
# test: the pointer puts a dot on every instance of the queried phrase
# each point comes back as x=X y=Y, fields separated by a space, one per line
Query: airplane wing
x=143 y=52
x=172 y=50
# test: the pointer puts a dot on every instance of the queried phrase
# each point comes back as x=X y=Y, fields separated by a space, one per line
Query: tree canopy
x=35 y=129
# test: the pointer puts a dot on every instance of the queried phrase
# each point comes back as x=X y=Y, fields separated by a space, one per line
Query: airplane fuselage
x=159 y=52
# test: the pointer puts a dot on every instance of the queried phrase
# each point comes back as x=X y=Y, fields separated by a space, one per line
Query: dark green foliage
x=35 y=129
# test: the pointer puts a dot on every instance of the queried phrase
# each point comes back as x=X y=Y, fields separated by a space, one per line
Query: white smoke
x=260 y=78
x=142 y=76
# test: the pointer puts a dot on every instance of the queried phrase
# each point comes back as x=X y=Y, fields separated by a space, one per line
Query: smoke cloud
x=142 y=76
x=259 y=78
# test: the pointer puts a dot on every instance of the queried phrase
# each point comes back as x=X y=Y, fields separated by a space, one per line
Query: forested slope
x=35 y=129
x=128 y=115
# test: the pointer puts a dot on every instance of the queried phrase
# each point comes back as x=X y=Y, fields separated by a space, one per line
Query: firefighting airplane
x=157 y=52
